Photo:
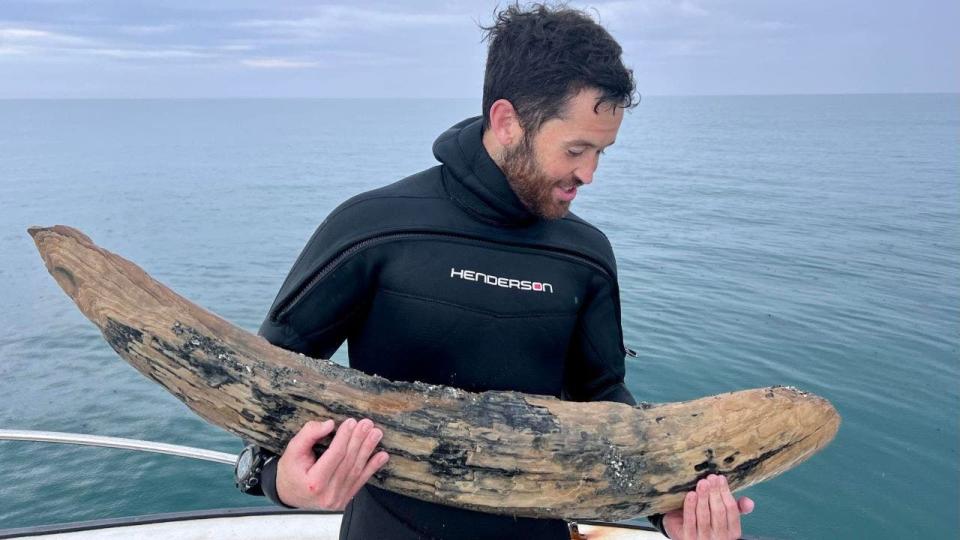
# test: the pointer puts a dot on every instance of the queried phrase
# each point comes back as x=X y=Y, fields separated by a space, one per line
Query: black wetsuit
x=444 y=277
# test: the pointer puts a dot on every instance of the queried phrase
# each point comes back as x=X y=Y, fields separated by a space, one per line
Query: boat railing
x=116 y=442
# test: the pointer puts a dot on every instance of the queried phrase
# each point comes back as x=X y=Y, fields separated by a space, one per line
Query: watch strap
x=268 y=481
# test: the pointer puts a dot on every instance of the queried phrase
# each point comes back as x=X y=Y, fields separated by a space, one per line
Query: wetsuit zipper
x=285 y=307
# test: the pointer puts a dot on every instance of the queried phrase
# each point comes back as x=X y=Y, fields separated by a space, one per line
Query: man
x=475 y=274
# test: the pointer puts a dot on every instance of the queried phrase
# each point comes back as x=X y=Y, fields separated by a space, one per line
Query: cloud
x=31 y=37
x=21 y=41
x=236 y=47
x=132 y=54
x=256 y=41
x=768 y=26
x=611 y=11
x=673 y=19
x=277 y=63
x=46 y=44
x=328 y=58
x=341 y=18
x=665 y=30
x=147 y=29
x=670 y=48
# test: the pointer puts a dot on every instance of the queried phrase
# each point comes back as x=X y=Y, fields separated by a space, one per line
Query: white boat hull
x=252 y=524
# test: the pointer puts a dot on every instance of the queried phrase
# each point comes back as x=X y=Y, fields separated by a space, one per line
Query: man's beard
x=530 y=183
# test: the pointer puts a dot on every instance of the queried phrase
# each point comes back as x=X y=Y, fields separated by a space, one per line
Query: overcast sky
x=421 y=48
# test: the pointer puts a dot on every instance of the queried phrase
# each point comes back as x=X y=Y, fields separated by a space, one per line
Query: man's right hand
x=328 y=483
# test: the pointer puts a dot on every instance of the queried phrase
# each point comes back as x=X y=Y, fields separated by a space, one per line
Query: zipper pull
x=630 y=352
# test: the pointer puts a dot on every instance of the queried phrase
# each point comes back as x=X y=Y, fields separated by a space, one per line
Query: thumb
x=300 y=447
x=746 y=505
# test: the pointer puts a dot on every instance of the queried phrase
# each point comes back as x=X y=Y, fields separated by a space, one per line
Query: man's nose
x=585 y=174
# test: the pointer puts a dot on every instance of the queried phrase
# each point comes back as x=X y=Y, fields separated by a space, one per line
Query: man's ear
x=504 y=123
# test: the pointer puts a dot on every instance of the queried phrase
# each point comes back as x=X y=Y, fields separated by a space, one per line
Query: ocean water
x=797 y=240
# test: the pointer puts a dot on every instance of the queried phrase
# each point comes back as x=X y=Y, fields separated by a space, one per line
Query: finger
x=718 y=513
x=341 y=481
x=300 y=447
x=733 y=511
x=703 y=509
x=690 y=516
x=372 y=466
x=366 y=450
x=746 y=505
x=324 y=468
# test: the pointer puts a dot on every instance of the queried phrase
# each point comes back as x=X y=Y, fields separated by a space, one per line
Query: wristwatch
x=246 y=472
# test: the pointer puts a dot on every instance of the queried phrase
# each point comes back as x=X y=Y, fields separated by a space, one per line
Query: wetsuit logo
x=506 y=283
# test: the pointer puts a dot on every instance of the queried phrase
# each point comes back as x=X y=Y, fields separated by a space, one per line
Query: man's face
x=545 y=170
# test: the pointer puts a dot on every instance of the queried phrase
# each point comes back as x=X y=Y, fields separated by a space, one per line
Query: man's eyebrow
x=588 y=144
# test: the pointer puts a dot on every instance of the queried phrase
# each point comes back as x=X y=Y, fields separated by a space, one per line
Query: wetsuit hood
x=475 y=182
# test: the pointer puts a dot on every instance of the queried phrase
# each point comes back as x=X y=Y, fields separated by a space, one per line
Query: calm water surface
x=808 y=241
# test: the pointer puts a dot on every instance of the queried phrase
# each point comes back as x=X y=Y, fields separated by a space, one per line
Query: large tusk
x=498 y=452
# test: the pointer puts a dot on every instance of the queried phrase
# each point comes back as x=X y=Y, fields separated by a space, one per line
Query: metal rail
x=116 y=442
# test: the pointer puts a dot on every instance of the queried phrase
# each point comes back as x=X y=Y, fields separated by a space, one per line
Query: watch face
x=245 y=463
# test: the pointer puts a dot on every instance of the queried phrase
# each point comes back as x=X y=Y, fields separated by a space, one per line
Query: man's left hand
x=709 y=513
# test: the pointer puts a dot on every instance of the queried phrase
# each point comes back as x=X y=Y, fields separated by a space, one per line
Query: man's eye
x=575 y=151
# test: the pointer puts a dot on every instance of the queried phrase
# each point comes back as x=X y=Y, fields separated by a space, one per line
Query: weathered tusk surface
x=499 y=452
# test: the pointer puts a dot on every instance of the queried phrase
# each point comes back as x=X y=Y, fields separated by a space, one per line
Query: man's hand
x=330 y=482
x=709 y=513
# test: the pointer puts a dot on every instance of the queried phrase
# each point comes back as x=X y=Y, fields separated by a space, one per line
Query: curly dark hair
x=542 y=56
